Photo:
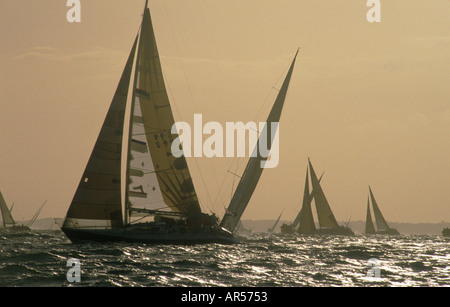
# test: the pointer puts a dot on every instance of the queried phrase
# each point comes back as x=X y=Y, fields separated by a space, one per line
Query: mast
x=324 y=213
x=127 y=204
x=253 y=170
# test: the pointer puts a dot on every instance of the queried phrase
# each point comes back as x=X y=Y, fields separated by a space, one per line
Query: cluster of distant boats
x=159 y=203
x=304 y=222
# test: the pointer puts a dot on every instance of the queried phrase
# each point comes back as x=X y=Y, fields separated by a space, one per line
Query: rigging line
x=265 y=103
x=234 y=178
x=223 y=182
x=195 y=108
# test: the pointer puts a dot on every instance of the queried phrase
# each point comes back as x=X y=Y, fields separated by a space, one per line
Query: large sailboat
x=159 y=203
x=382 y=225
x=305 y=221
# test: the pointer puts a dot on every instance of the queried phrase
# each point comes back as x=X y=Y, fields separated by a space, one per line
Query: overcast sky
x=369 y=103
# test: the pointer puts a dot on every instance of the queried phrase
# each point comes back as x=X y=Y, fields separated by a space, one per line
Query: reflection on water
x=39 y=258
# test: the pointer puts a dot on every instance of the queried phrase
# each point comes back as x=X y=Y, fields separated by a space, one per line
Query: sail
x=253 y=170
x=311 y=197
x=306 y=219
x=324 y=213
x=370 y=229
x=97 y=201
x=171 y=183
x=6 y=214
x=379 y=219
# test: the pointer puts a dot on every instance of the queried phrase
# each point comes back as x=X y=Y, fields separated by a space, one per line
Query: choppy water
x=39 y=258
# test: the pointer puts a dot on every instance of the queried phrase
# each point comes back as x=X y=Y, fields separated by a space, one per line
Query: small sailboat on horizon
x=446 y=232
x=159 y=204
x=9 y=223
x=272 y=229
x=325 y=216
x=382 y=225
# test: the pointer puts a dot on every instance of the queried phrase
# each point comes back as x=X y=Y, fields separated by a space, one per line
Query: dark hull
x=340 y=230
x=15 y=229
x=287 y=229
x=149 y=236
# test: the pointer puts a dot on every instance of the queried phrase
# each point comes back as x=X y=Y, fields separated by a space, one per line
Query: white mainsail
x=152 y=138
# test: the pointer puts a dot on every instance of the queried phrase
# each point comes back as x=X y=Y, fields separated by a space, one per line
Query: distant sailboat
x=36 y=215
x=8 y=221
x=159 y=204
x=271 y=229
x=326 y=219
x=446 y=232
x=382 y=225
x=304 y=217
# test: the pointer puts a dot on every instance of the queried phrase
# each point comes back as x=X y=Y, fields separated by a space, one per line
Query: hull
x=150 y=235
x=446 y=232
x=15 y=229
x=340 y=230
x=287 y=229
x=390 y=231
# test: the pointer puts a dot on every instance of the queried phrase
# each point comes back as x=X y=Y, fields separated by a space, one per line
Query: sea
x=40 y=258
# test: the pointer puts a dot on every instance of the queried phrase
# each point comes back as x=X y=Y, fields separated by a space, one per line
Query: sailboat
x=8 y=221
x=271 y=229
x=382 y=225
x=305 y=214
x=326 y=219
x=159 y=203
x=446 y=232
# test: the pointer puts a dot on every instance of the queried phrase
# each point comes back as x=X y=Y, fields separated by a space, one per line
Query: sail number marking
x=161 y=138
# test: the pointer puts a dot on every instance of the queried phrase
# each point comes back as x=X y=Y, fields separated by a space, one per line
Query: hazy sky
x=369 y=103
